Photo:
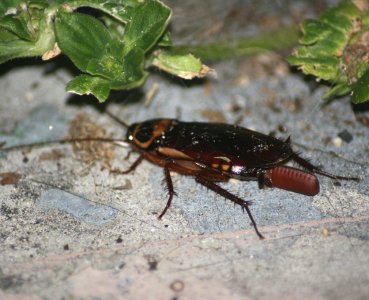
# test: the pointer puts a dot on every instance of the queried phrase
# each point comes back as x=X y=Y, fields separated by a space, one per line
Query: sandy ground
x=73 y=230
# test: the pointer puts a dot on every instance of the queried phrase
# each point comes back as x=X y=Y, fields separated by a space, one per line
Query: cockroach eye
x=144 y=134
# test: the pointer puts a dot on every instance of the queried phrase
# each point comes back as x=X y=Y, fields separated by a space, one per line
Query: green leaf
x=6 y=4
x=85 y=85
x=323 y=39
x=109 y=65
x=338 y=90
x=40 y=4
x=7 y=36
x=345 y=9
x=314 y=31
x=12 y=47
x=133 y=71
x=111 y=51
x=165 y=40
x=324 y=67
x=81 y=37
x=328 y=36
x=333 y=49
x=365 y=19
x=184 y=66
x=17 y=26
x=119 y=9
x=360 y=89
x=148 y=23
x=15 y=48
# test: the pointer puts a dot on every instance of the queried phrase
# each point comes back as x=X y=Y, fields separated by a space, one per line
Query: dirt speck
x=90 y=151
x=9 y=178
x=54 y=154
x=212 y=115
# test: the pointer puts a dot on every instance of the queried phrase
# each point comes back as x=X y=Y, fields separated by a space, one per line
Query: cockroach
x=216 y=152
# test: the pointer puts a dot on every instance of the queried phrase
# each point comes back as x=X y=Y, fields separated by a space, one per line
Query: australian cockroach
x=216 y=152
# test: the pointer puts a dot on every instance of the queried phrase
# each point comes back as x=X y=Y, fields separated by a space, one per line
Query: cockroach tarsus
x=214 y=152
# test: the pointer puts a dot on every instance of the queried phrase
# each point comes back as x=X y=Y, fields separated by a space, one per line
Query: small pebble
x=345 y=136
x=337 y=142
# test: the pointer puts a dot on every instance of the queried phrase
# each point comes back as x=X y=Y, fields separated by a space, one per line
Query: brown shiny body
x=214 y=152
x=221 y=148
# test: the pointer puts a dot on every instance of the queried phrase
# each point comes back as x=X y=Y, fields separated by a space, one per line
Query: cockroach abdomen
x=293 y=180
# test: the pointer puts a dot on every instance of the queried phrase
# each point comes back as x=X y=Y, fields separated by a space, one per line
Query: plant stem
x=245 y=46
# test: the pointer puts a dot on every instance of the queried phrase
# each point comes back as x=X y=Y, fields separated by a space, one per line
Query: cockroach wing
x=218 y=143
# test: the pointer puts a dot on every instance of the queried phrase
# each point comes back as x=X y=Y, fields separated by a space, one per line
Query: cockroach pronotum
x=215 y=152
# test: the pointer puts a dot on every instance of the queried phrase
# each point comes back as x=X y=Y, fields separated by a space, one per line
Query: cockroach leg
x=263 y=181
x=309 y=166
x=128 y=155
x=171 y=193
x=244 y=204
x=132 y=167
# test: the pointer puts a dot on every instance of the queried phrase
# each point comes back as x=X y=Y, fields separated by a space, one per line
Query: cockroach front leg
x=132 y=167
x=244 y=204
x=128 y=155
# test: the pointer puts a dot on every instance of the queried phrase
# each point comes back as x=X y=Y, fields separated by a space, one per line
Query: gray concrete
x=68 y=233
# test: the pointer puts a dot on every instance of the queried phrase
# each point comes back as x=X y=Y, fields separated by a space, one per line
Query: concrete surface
x=75 y=231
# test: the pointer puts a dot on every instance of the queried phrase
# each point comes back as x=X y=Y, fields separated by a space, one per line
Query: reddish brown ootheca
x=216 y=152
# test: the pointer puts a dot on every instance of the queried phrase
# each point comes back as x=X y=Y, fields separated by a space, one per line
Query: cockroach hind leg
x=333 y=176
x=263 y=179
x=248 y=202
x=219 y=190
x=310 y=167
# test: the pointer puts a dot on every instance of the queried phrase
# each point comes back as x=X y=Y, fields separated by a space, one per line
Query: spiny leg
x=132 y=167
x=263 y=182
x=168 y=180
x=244 y=204
x=183 y=170
x=309 y=166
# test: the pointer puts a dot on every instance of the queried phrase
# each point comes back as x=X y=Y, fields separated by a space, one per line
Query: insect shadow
x=212 y=153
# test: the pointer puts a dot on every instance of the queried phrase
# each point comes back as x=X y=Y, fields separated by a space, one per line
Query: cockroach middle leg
x=309 y=166
x=171 y=193
x=244 y=204
x=132 y=167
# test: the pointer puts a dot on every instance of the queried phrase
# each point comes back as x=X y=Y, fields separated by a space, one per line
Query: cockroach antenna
x=115 y=118
x=119 y=142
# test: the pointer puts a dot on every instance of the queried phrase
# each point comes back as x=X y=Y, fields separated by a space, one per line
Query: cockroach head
x=143 y=134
